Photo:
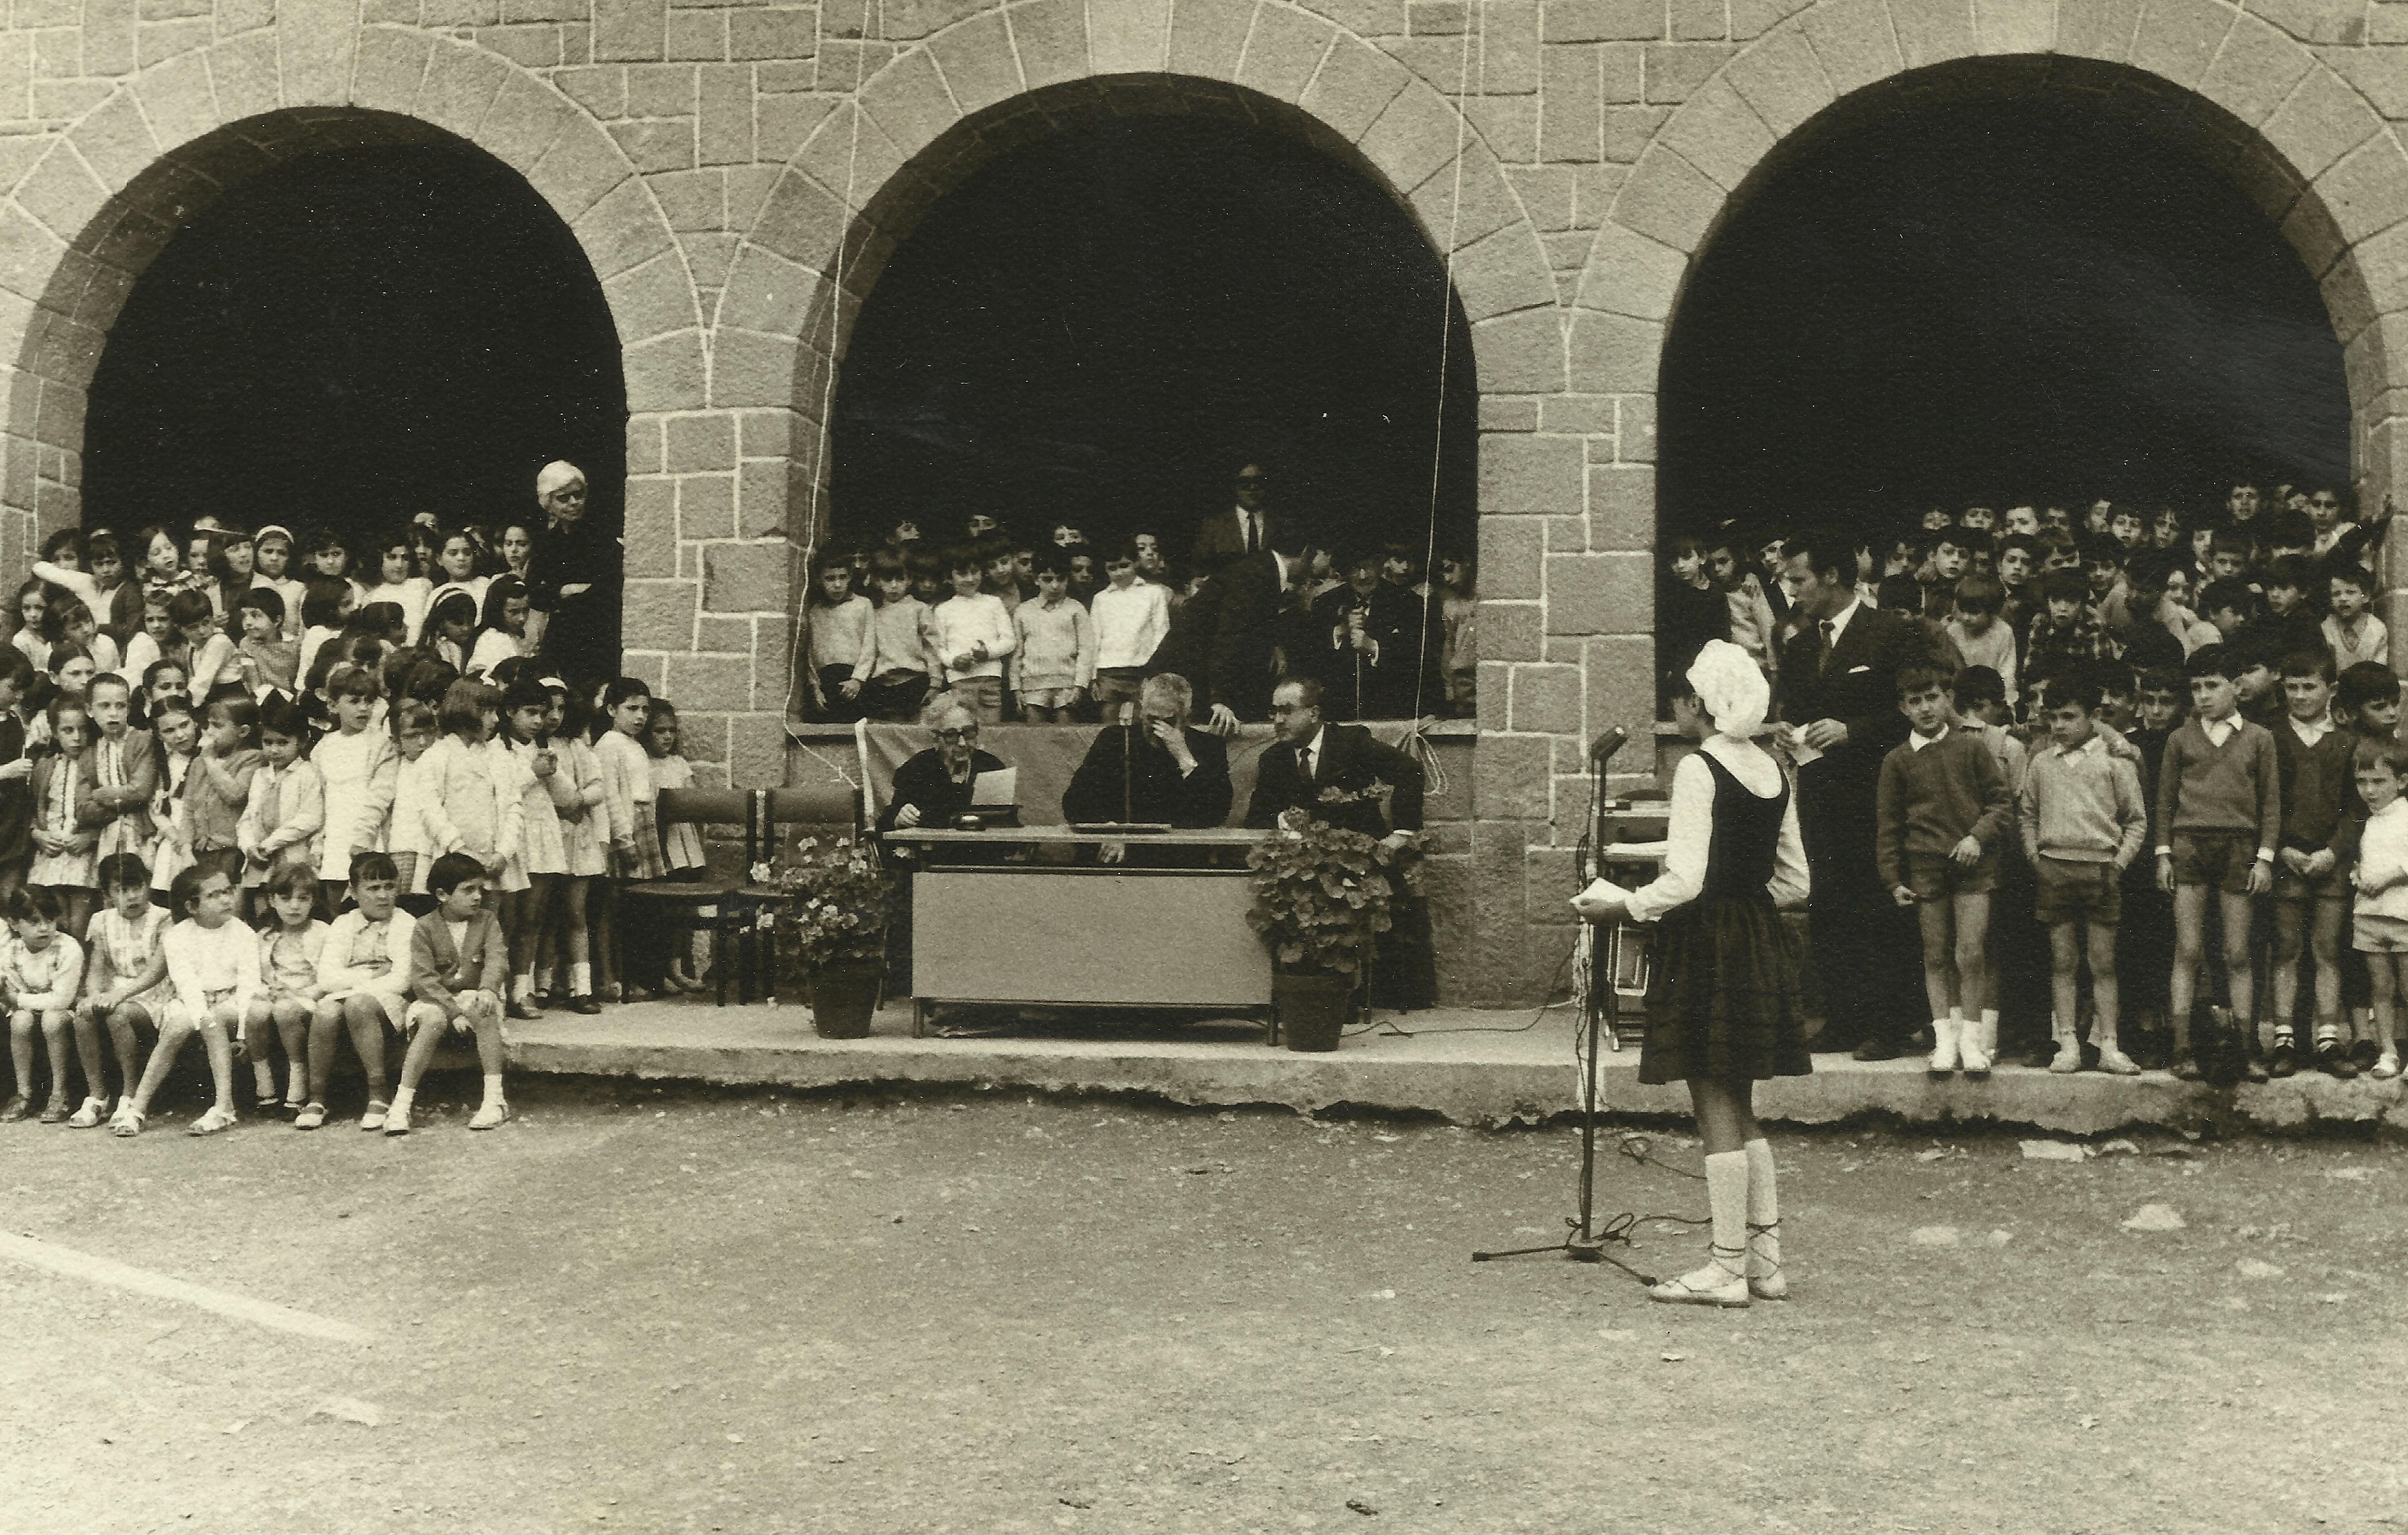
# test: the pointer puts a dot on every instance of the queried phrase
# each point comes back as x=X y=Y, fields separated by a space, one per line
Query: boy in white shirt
x=974 y=633
x=363 y=981
x=1131 y=617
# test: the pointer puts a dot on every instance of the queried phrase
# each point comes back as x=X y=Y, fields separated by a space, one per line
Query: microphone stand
x=1583 y=1242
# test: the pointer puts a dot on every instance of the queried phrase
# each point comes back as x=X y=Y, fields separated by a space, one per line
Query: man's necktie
x=1304 y=762
x=1823 y=653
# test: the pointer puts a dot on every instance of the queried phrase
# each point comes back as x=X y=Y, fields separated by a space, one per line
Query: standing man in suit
x=1839 y=698
x=1225 y=640
x=1245 y=528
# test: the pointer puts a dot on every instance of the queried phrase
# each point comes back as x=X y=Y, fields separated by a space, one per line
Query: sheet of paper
x=996 y=790
x=1605 y=890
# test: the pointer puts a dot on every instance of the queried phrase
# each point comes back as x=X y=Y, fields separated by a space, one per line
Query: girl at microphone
x=1723 y=1008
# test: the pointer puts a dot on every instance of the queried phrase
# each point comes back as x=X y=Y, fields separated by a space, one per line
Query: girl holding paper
x=1725 y=1007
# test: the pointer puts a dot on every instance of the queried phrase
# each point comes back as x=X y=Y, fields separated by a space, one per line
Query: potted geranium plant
x=832 y=928
x=1323 y=896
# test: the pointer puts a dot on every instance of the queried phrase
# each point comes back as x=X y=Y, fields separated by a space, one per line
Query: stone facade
x=738 y=175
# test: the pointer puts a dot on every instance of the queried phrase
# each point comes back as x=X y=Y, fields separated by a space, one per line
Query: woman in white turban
x=1724 y=1009
x=574 y=577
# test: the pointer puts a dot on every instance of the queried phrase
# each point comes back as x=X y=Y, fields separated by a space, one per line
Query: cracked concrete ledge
x=1491 y=1072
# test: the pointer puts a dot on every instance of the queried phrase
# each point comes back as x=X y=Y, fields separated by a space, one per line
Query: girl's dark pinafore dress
x=1726 y=1002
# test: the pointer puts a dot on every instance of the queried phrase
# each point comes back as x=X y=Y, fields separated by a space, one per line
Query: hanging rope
x=817 y=505
x=1475 y=39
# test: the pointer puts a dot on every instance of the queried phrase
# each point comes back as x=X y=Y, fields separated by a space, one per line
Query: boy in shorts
x=2082 y=822
x=2379 y=928
x=2219 y=817
x=459 y=965
x=2311 y=888
x=362 y=981
x=1941 y=802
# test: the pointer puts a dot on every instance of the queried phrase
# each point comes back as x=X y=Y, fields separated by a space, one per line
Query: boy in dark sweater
x=2219 y=815
x=2146 y=935
x=1941 y=805
x=2311 y=883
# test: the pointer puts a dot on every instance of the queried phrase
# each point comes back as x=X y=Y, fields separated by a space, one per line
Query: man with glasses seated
x=935 y=785
x=1157 y=770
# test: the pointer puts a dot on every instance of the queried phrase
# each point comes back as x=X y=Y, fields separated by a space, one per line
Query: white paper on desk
x=1606 y=890
x=996 y=790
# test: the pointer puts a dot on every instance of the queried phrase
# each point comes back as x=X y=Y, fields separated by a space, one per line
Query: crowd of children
x=1056 y=631
x=2164 y=755
x=288 y=825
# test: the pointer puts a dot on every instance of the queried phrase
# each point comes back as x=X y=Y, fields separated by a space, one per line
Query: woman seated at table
x=935 y=785
x=1156 y=769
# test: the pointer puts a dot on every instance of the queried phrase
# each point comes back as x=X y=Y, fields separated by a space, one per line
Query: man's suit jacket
x=1351 y=762
x=1148 y=786
x=1225 y=638
x=1857 y=686
x=1219 y=539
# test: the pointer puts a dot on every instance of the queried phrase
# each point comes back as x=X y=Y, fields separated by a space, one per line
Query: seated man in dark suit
x=1339 y=774
x=1336 y=774
x=1175 y=773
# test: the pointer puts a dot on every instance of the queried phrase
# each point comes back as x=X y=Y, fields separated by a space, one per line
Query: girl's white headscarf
x=555 y=475
x=1731 y=686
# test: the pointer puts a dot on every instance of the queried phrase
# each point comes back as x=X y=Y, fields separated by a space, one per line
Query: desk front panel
x=1153 y=937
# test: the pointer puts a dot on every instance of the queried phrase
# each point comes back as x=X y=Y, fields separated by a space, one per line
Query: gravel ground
x=648 y=1310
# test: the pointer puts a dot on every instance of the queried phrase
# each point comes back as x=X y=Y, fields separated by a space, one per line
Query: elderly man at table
x=933 y=786
x=1158 y=767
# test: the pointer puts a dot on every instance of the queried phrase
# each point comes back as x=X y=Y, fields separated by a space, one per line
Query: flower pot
x=844 y=994
x=1312 y=1007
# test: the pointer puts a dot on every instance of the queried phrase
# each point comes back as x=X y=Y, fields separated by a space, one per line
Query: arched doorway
x=1992 y=296
x=1095 y=327
x=353 y=337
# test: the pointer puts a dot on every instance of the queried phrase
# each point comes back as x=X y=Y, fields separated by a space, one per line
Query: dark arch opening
x=2032 y=298
x=1097 y=325
x=353 y=337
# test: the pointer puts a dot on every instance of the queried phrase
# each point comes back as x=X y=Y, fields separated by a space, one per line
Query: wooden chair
x=732 y=906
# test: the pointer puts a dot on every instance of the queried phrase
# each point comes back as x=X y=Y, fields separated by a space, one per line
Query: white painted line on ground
x=100 y=1270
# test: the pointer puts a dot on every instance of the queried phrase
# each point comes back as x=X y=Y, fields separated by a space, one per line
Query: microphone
x=1603 y=748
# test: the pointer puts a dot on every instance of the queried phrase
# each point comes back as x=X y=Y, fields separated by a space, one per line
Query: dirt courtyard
x=665 y=1310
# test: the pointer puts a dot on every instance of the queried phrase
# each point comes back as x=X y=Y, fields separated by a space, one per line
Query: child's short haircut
x=2230 y=539
x=292 y=877
x=186 y=609
x=381 y=618
x=464 y=706
x=1979 y=685
x=412 y=714
x=2162 y=680
x=1972 y=540
x=2024 y=541
x=2365 y=683
x=2289 y=529
x=2230 y=595
x=354 y=682
x=64 y=705
x=2114 y=680
x=2291 y=571
x=2149 y=569
x=15 y=667
x=280 y=716
x=2214 y=661
x=69 y=538
x=123 y=871
x=324 y=538
x=109 y=678
x=322 y=601
x=526 y=691
x=450 y=871
x=264 y=599
x=187 y=887
x=32 y=901
x=887 y=564
x=2352 y=572
x=1915 y=676
x=623 y=689
x=963 y=560
x=1979 y=593
x=371 y=868
x=2082 y=685
x=100 y=546
x=2311 y=663
x=2063 y=586
x=1683 y=544
x=2381 y=750
x=1051 y=560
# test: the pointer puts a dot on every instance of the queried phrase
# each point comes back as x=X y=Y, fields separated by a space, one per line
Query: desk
x=1067 y=934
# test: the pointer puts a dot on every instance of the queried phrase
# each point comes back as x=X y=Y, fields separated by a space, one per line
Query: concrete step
x=1470 y=1066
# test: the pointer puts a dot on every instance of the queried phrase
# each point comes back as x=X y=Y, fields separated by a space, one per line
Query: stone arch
x=88 y=218
x=2248 y=99
x=945 y=105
